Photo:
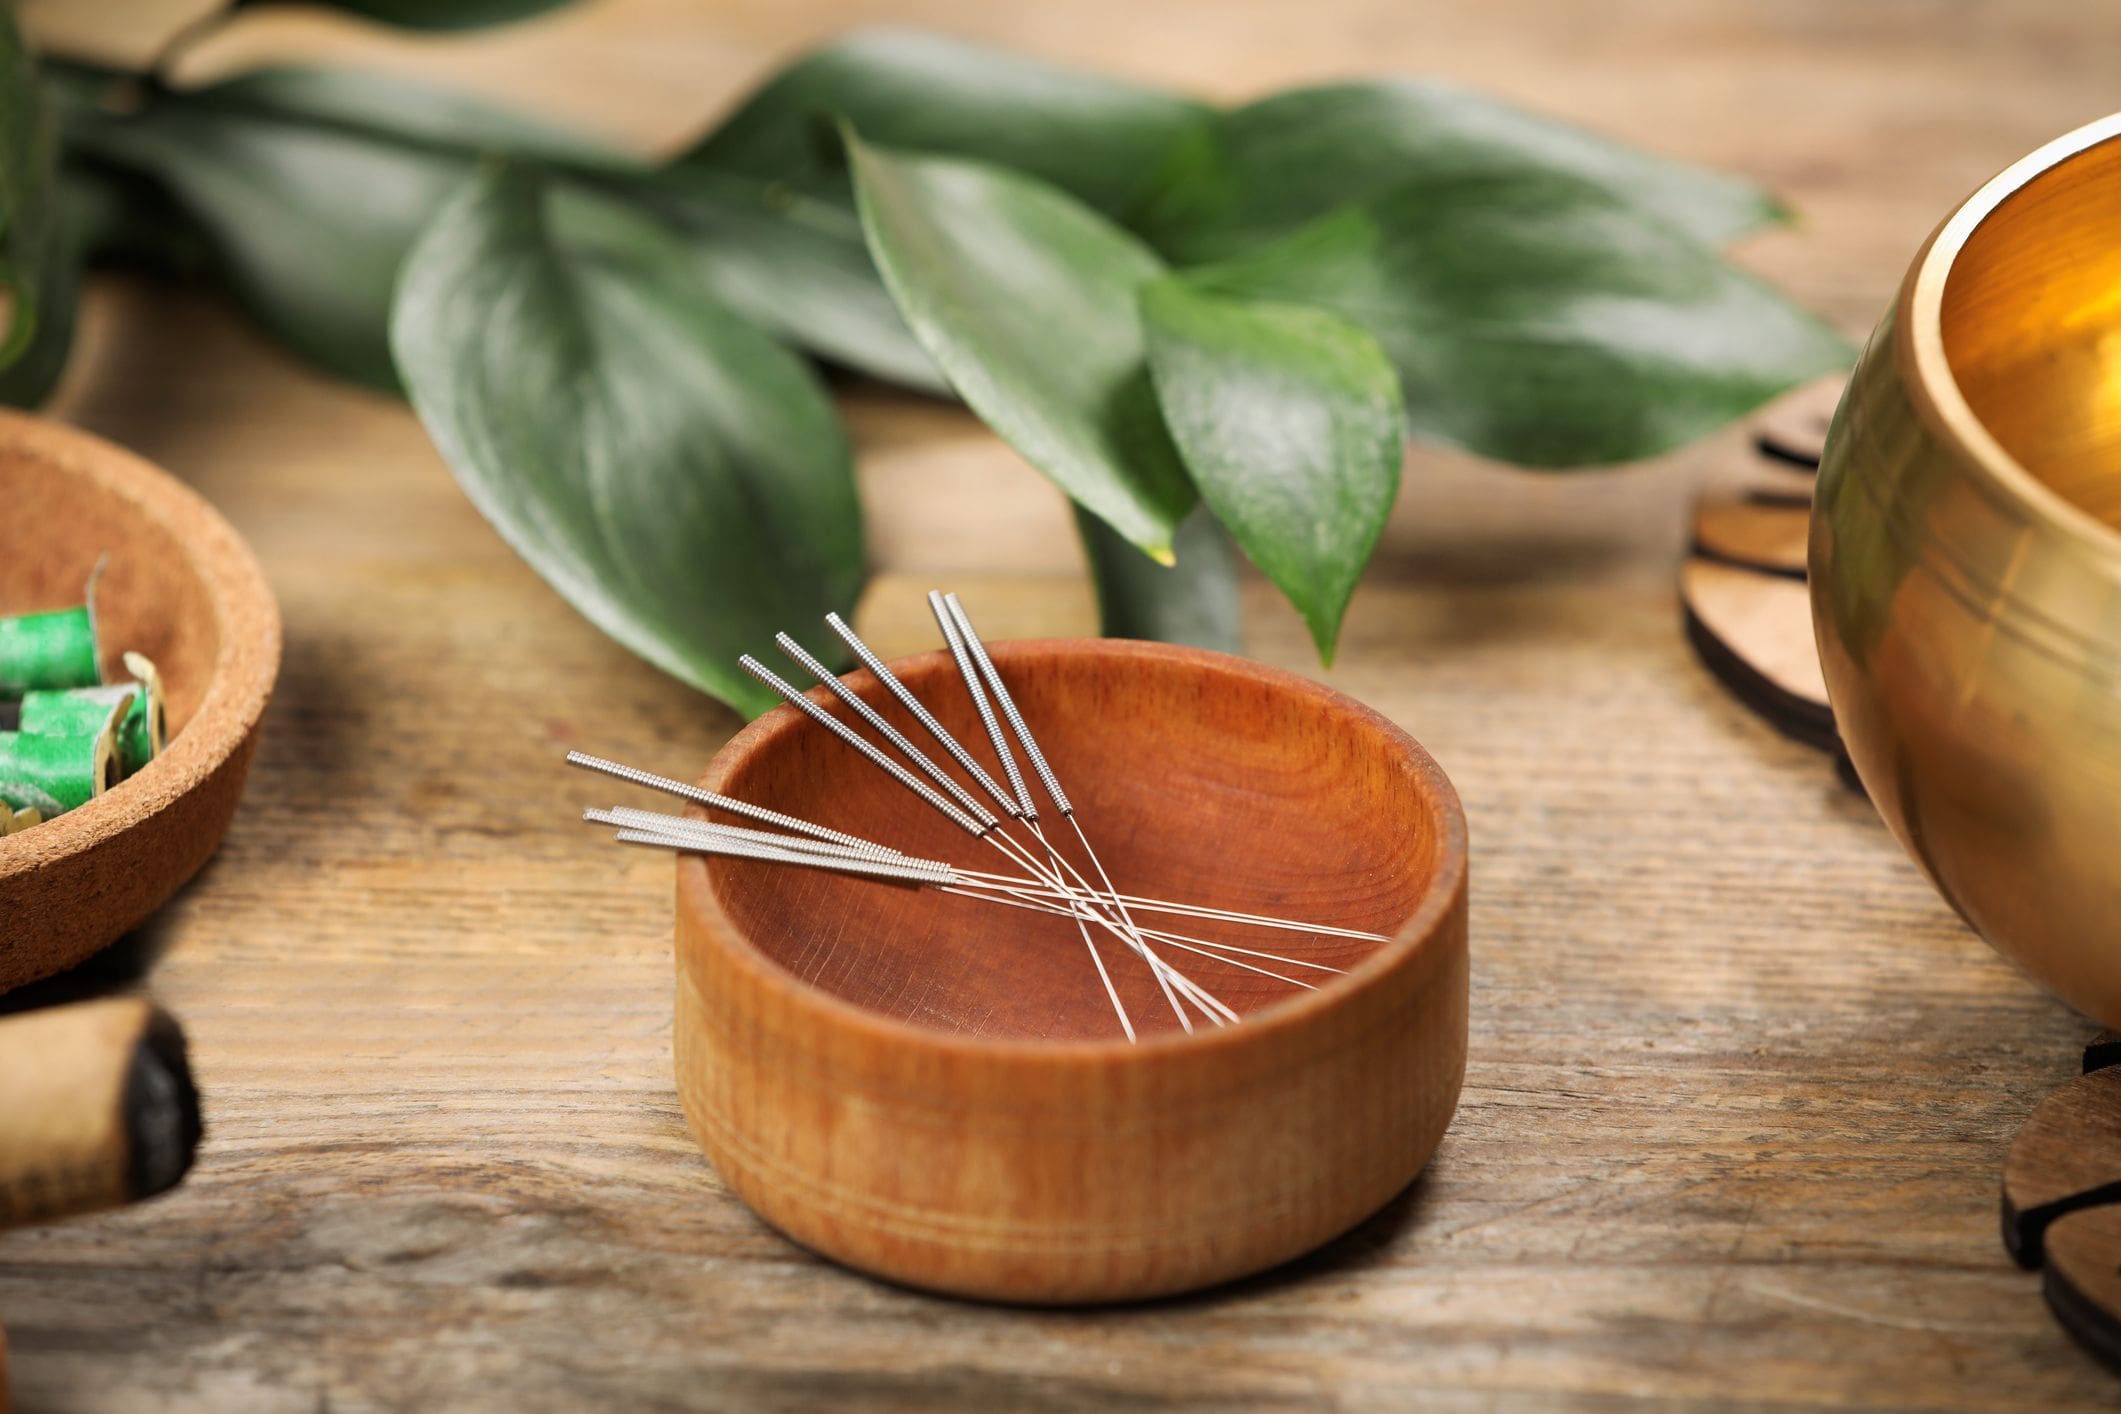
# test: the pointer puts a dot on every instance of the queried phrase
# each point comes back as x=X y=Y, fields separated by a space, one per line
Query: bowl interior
x=1194 y=777
x=2031 y=326
x=150 y=597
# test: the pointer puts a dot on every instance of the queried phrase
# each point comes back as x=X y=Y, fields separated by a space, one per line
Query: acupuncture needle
x=978 y=828
x=977 y=649
x=895 y=870
x=760 y=813
x=890 y=680
x=1026 y=810
x=883 y=674
x=699 y=837
x=875 y=756
x=1044 y=891
x=627 y=819
x=935 y=773
x=635 y=776
x=1014 y=806
x=968 y=669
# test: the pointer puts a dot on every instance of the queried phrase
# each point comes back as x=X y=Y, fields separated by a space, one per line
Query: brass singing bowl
x=1966 y=565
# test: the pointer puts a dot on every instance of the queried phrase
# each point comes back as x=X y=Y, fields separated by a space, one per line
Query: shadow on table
x=1362 y=1246
x=1365 y=1245
x=118 y=969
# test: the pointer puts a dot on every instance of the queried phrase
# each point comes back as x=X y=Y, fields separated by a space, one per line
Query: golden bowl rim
x=1934 y=389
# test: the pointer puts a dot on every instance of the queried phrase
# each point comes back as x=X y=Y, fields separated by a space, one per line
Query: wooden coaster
x=1754 y=631
x=2062 y=1200
x=1757 y=529
x=1793 y=428
x=1742 y=587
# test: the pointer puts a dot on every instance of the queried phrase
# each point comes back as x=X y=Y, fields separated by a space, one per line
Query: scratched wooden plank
x=1740 y=1086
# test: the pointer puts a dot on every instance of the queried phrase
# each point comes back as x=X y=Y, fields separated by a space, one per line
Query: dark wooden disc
x=2062 y=1200
x=1793 y=428
x=1742 y=588
x=1753 y=630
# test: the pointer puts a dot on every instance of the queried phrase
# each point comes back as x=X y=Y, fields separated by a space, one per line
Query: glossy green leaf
x=84 y=204
x=376 y=105
x=431 y=14
x=1089 y=135
x=1027 y=301
x=795 y=266
x=765 y=198
x=677 y=476
x=1289 y=420
x=29 y=227
x=1541 y=321
x=1272 y=166
x=311 y=186
x=1194 y=601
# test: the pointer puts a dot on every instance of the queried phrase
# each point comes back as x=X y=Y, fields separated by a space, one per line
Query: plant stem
x=184 y=38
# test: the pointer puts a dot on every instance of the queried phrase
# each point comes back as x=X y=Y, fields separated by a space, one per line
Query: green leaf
x=1092 y=136
x=311 y=186
x=375 y=105
x=795 y=266
x=676 y=475
x=82 y=203
x=1194 y=601
x=1272 y=166
x=432 y=14
x=29 y=229
x=1540 y=321
x=1027 y=301
x=766 y=199
x=1290 y=421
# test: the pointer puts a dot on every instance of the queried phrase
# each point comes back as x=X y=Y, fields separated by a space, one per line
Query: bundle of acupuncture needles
x=1039 y=877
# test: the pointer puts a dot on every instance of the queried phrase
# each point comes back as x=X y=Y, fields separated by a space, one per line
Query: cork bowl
x=177 y=585
x=936 y=1090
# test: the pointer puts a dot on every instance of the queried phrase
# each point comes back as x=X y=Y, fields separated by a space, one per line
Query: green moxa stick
x=55 y=774
x=52 y=650
x=80 y=710
x=76 y=711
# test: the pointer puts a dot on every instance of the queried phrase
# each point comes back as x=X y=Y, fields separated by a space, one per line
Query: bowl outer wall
x=1965 y=623
x=1075 y=1172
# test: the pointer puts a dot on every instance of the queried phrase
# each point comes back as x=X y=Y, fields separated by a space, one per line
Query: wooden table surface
x=1740 y=1085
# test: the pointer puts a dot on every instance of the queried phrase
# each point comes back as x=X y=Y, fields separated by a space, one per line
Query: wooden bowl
x=177 y=585
x=936 y=1090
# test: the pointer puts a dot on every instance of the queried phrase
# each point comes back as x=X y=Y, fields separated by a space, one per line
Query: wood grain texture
x=1754 y=530
x=1739 y=1086
x=178 y=585
x=920 y=1085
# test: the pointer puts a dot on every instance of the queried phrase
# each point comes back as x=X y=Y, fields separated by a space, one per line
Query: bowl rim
x=1445 y=889
x=245 y=666
x=1934 y=389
